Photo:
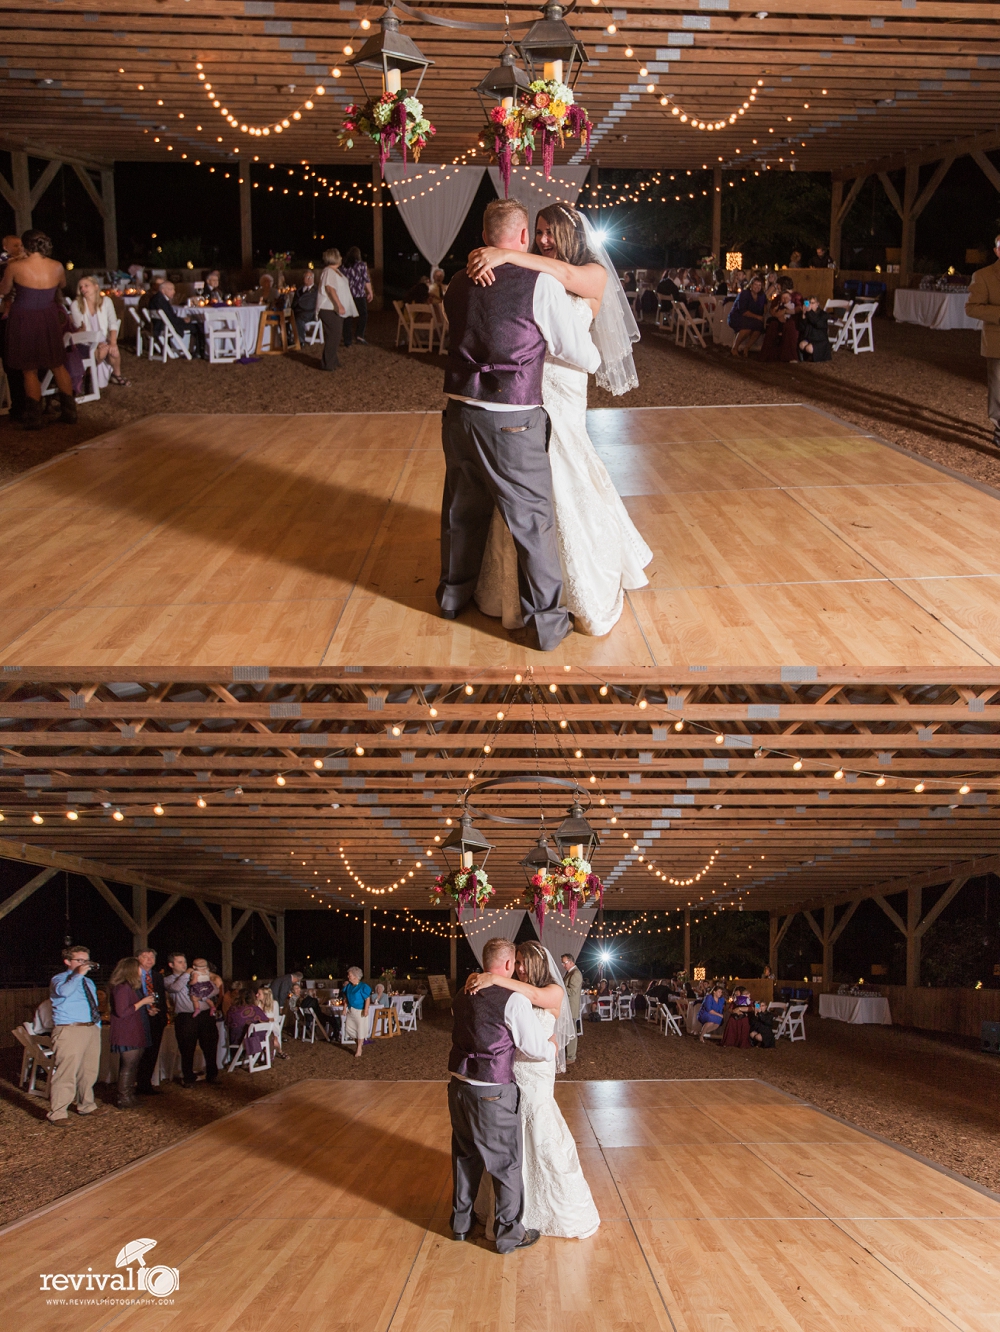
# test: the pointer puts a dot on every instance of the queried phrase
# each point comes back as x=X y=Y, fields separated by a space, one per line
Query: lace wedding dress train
x=600 y=549
x=557 y=1197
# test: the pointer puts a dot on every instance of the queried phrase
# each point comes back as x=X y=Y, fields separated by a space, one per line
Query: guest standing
x=359 y=282
x=304 y=303
x=12 y=249
x=151 y=984
x=194 y=1018
x=746 y=318
x=35 y=327
x=573 y=978
x=130 y=1030
x=282 y=987
x=76 y=1037
x=94 y=311
x=333 y=305
x=984 y=304
x=357 y=996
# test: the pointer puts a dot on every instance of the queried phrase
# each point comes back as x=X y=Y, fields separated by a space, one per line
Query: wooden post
x=453 y=946
x=772 y=943
x=367 y=958
x=246 y=216
x=378 y=248
x=22 y=191
x=140 y=917
x=910 y=184
x=280 y=943
x=594 y=182
x=914 y=906
x=828 y=938
x=226 y=939
x=717 y=214
x=110 y=218
x=836 y=204
x=687 y=944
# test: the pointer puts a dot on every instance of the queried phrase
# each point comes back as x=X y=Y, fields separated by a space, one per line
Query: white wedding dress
x=600 y=549
x=557 y=1198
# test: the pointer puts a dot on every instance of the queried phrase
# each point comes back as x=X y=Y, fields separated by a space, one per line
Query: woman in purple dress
x=129 y=1025
x=36 y=325
x=241 y=1015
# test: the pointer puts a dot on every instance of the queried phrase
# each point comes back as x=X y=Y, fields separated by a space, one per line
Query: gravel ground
x=934 y=1096
x=921 y=389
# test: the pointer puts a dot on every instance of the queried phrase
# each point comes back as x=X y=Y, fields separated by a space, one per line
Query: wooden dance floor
x=726 y=1206
x=781 y=537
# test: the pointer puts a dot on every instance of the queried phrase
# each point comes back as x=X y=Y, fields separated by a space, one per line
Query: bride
x=601 y=552
x=557 y=1199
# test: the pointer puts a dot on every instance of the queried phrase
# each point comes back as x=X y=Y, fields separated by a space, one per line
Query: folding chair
x=89 y=338
x=36 y=1060
x=792 y=1023
x=443 y=327
x=314 y=333
x=626 y=1003
x=858 y=329
x=422 y=327
x=164 y=341
x=262 y=1059
x=222 y=335
x=837 y=323
x=407 y=1016
x=403 y=322
x=133 y=314
x=688 y=327
x=670 y=1021
x=418 y=1007
x=652 y=1010
x=666 y=314
x=605 y=1008
x=305 y=1025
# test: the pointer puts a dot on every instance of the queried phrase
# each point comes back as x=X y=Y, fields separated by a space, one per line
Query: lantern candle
x=467 y=860
x=507 y=103
x=393 y=80
x=577 y=851
x=553 y=71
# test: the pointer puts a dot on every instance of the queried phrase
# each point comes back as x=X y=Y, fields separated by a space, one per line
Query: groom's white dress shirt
x=565 y=339
x=520 y=1022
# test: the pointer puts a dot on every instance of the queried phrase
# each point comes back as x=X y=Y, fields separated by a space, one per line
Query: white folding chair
x=90 y=339
x=262 y=1059
x=626 y=1003
x=670 y=1021
x=689 y=328
x=406 y=1015
x=605 y=1008
x=422 y=328
x=36 y=1060
x=838 y=311
x=418 y=1007
x=652 y=1010
x=793 y=1023
x=222 y=334
x=133 y=314
x=777 y=1006
x=169 y=345
x=403 y=322
x=443 y=327
x=314 y=333
x=858 y=331
x=305 y=1025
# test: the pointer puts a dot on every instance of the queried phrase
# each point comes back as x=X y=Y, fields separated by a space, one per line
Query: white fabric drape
x=559 y=935
x=433 y=202
x=529 y=186
x=490 y=924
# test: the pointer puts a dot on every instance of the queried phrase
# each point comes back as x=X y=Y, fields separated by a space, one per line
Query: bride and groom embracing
x=512 y=1024
x=532 y=528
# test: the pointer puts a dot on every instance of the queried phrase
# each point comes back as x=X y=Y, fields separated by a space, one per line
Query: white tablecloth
x=933 y=309
x=853 y=1008
x=247 y=321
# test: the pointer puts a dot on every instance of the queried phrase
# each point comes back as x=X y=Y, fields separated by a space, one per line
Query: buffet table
x=855 y=1008
x=933 y=309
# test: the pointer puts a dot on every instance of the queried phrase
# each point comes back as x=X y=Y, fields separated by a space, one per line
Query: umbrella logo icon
x=158 y=1280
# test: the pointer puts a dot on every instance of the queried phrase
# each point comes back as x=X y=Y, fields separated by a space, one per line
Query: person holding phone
x=76 y=1037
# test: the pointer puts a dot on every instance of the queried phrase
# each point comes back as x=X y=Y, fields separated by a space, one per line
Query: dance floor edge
x=781 y=537
x=325 y=1207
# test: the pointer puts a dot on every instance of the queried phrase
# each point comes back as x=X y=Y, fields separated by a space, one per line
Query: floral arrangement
x=393 y=118
x=466 y=887
x=569 y=884
x=279 y=261
x=548 y=108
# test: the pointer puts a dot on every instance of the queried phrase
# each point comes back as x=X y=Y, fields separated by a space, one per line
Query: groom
x=495 y=432
x=483 y=1098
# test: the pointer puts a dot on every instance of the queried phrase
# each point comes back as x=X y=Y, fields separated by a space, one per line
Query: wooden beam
x=226 y=938
x=949 y=893
x=687 y=943
x=44 y=181
x=140 y=910
x=7 y=190
x=838 y=929
x=987 y=167
x=813 y=925
x=279 y=921
x=268 y=926
x=162 y=911
x=22 y=191
x=914 y=900
x=964 y=147
x=129 y=921
x=242 y=921
x=717 y=213
x=890 y=190
x=216 y=927
x=246 y=216
x=927 y=192
x=110 y=219
x=378 y=246
x=22 y=894
x=86 y=180
x=366 y=962
x=892 y=913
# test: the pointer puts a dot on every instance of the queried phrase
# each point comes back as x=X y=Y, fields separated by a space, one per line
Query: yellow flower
x=557 y=108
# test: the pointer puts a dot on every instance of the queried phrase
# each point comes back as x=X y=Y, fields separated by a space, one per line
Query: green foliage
x=958 y=952
x=177 y=253
x=323 y=966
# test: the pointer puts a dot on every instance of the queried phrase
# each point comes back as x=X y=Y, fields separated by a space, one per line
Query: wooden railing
x=953 y=1010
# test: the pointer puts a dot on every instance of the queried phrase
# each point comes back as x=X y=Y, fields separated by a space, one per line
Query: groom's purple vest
x=497 y=351
x=482 y=1046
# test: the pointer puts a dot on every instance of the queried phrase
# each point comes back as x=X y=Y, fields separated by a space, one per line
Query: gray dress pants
x=486 y=1135
x=501 y=459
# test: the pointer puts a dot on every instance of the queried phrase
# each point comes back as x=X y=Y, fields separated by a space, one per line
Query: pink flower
x=542 y=100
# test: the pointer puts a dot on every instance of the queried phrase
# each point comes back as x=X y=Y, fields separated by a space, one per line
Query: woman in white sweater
x=334 y=304
x=93 y=311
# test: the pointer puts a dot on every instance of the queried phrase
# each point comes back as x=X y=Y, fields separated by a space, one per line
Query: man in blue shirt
x=76 y=1037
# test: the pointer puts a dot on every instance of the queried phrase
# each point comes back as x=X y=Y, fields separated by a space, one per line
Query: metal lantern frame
x=389 y=48
x=575 y=830
x=540 y=857
x=467 y=840
x=503 y=80
x=551 y=38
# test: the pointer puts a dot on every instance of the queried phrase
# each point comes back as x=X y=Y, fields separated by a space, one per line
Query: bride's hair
x=567 y=228
x=536 y=964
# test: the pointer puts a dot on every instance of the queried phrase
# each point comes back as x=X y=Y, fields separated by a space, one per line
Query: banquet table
x=855 y=1008
x=933 y=309
x=247 y=321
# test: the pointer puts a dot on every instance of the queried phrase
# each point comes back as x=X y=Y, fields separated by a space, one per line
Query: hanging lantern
x=468 y=847
x=503 y=83
x=540 y=857
x=576 y=837
x=550 y=49
x=391 y=55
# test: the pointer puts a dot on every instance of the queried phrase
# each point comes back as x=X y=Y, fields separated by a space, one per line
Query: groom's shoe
x=454 y=614
x=530 y=1237
x=460 y=1234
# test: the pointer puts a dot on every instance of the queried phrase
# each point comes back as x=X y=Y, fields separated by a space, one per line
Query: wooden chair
x=386 y=1024
x=36 y=1061
x=688 y=328
x=792 y=1023
x=282 y=328
x=423 y=328
x=403 y=323
x=605 y=1008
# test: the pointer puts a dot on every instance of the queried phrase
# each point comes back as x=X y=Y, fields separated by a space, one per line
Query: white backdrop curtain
x=560 y=935
x=529 y=186
x=490 y=924
x=433 y=202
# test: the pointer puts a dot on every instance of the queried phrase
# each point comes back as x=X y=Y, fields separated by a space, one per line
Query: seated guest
x=265 y=293
x=713 y=1007
x=796 y=260
x=761 y=1028
x=603 y=988
x=737 y=1030
x=746 y=317
x=380 y=999
x=96 y=312
x=149 y=293
x=814 y=344
x=781 y=338
x=721 y=287
x=419 y=293
x=245 y=1014
x=304 y=303
x=300 y=1000
x=438 y=286
x=212 y=290
x=668 y=290
x=129 y=1026
x=268 y=1005
x=162 y=303
x=648 y=301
